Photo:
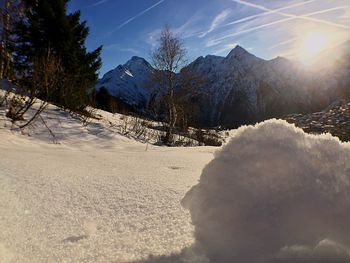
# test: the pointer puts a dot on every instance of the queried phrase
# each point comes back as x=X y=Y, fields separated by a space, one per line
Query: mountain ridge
x=242 y=87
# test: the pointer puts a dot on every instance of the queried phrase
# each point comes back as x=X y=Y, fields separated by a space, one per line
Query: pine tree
x=10 y=12
x=47 y=28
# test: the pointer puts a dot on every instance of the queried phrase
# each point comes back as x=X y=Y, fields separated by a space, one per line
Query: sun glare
x=313 y=44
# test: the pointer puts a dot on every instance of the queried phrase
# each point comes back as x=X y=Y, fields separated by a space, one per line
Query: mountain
x=244 y=88
x=335 y=119
x=127 y=82
x=237 y=89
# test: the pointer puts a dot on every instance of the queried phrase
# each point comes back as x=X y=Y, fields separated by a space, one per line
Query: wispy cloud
x=108 y=34
x=191 y=27
x=152 y=37
x=218 y=20
x=140 y=14
x=260 y=7
x=117 y=47
x=186 y=30
x=288 y=17
x=272 y=11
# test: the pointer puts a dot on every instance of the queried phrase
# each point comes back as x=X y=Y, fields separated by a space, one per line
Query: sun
x=312 y=45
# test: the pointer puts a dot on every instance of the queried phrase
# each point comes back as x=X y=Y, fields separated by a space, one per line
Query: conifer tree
x=48 y=28
x=10 y=12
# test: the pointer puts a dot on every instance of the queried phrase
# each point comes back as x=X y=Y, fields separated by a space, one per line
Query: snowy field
x=95 y=197
x=272 y=194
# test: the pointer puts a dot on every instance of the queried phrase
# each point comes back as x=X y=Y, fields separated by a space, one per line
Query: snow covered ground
x=97 y=196
x=272 y=194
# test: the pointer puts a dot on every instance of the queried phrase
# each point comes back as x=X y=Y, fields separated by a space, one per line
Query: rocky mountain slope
x=237 y=89
x=244 y=88
x=128 y=82
x=334 y=120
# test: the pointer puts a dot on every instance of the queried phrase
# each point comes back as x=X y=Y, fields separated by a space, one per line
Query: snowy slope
x=101 y=204
x=97 y=196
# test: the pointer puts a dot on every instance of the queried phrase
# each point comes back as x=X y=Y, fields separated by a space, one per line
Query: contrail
x=99 y=3
x=268 y=12
x=290 y=15
x=256 y=16
x=139 y=14
x=217 y=21
x=289 y=18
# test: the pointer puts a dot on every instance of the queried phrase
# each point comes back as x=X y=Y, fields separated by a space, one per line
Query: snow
x=128 y=82
x=79 y=205
x=274 y=194
x=96 y=196
x=128 y=73
x=224 y=76
x=273 y=87
x=242 y=72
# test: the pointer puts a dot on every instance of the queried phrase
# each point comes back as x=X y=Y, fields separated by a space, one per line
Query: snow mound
x=274 y=194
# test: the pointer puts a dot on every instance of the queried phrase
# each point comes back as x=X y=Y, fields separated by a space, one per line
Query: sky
x=266 y=28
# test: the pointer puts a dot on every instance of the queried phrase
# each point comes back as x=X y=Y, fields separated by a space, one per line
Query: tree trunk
x=169 y=137
x=5 y=56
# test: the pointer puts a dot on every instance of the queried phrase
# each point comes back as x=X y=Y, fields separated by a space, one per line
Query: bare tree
x=45 y=79
x=168 y=59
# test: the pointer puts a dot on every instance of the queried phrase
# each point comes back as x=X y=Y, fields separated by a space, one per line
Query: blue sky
x=266 y=28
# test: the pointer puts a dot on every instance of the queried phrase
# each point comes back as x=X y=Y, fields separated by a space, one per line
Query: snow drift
x=274 y=194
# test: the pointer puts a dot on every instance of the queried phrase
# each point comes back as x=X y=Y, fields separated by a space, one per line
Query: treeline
x=43 y=53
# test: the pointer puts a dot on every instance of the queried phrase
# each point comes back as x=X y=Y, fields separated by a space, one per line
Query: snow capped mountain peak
x=239 y=55
x=205 y=64
x=126 y=82
x=137 y=63
x=213 y=57
x=238 y=52
x=237 y=88
x=137 y=60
